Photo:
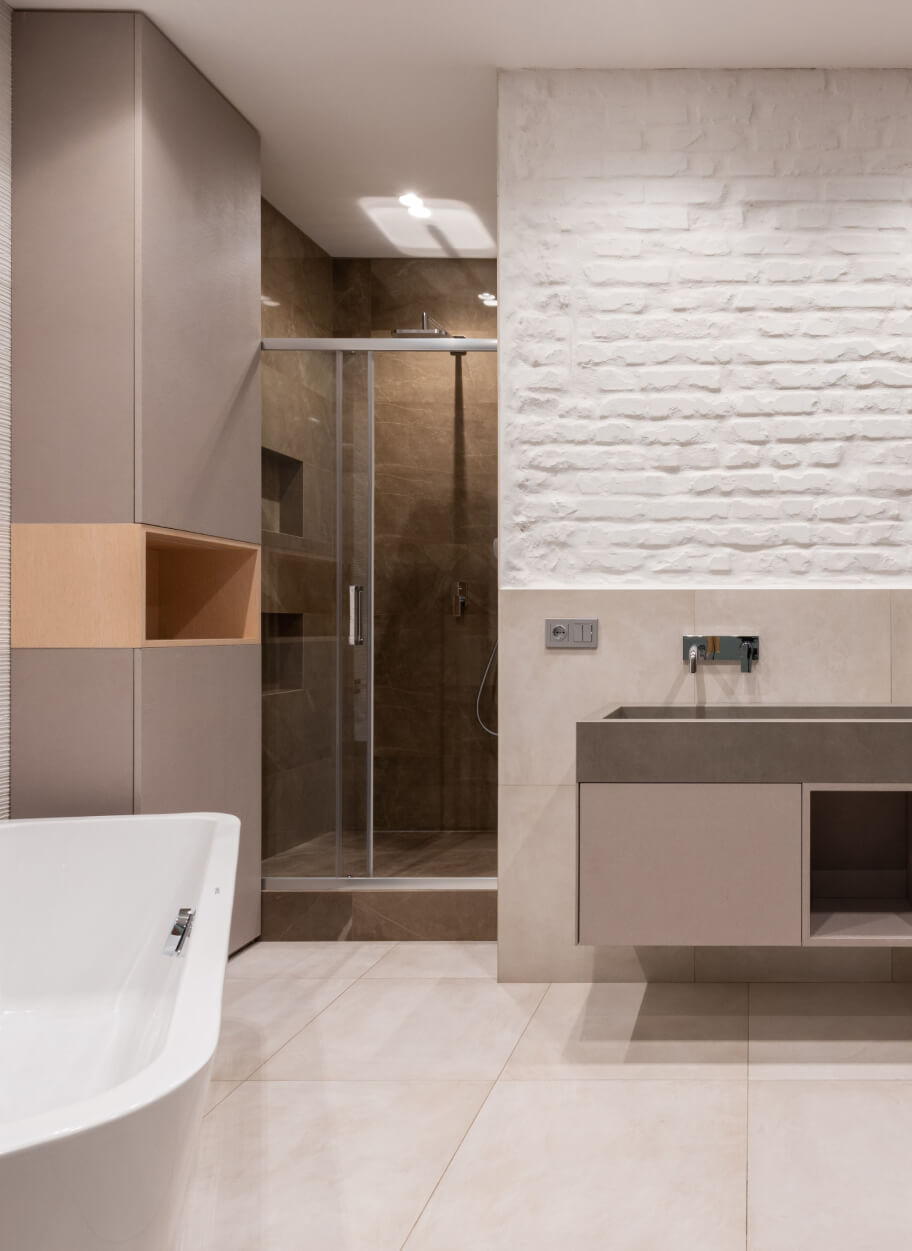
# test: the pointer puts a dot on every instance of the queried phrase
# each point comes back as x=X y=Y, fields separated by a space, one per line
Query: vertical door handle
x=356 y=615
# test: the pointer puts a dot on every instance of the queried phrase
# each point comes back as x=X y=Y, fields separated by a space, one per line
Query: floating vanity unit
x=745 y=826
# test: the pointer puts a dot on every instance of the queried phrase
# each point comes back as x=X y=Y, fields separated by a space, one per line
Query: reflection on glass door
x=355 y=617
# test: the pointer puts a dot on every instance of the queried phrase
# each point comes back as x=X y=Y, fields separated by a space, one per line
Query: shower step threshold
x=364 y=909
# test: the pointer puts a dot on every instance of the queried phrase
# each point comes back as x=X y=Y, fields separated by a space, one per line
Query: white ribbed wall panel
x=5 y=422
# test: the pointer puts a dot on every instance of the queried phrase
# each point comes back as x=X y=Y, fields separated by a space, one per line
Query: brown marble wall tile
x=309 y=916
x=429 y=915
x=435 y=519
x=362 y=916
x=352 y=294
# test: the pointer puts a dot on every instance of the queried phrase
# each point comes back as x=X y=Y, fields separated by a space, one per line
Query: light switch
x=572 y=633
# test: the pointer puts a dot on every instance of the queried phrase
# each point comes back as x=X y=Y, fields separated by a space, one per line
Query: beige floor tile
x=438 y=960
x=629 y=1030
x=828 y=1166
x=218 y=1090
x=596 y=1166
x=333 y=1167
x=259 y=1017
x=412 y=1029
x=831 y=1031
x=305 y=960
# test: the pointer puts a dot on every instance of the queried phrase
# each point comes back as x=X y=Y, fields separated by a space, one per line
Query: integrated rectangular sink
x=758 y=712
x=747 y=743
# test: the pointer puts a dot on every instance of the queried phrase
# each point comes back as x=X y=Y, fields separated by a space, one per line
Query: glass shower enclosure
x=319 y=622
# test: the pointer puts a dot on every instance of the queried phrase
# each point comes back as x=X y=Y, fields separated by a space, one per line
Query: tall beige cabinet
x=136 y=433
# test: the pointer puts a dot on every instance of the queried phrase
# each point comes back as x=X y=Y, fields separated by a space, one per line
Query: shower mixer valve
x=460 y=599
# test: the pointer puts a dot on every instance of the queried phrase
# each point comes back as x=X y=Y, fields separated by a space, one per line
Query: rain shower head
x=430 y=328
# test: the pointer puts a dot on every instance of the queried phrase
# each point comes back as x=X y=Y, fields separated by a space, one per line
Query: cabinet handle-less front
x=356 y=615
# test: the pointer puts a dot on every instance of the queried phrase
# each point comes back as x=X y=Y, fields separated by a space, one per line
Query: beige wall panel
x=73 y=147
x=72 y=746
x=198 y=408
x=198 y=749
x=690 y=864
x=77 y=586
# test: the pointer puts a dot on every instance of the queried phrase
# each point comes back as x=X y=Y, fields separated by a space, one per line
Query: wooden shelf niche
x=131 y=585
x=200 y=590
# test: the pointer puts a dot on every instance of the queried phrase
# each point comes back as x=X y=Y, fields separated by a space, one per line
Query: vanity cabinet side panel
x=198 y=749
x=73 y=291
x=72 y=742
x=690 y=865
x=198 y=389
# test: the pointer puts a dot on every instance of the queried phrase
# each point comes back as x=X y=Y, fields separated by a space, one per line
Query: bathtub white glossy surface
x=105 y=1041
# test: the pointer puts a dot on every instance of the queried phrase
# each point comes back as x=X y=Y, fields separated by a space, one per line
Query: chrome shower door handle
x=356 y=616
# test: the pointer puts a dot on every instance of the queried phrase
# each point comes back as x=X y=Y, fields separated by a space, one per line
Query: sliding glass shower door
x=320 y=610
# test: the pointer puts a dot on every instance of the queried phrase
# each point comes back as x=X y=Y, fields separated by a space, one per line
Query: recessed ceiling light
x=410 y=199
x=419 y=210
x=264 y=299
x=487 y=295
x=490 y=303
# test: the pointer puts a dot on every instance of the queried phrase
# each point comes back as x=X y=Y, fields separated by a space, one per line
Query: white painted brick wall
x=706 y=327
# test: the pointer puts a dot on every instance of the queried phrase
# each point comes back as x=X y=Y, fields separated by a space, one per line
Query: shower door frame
x=368 y=881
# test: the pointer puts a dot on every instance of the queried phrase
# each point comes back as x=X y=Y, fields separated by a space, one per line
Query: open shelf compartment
x=858 y=865
x=200 y=589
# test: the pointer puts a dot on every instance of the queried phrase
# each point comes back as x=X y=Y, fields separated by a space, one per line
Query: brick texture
x=706 y=327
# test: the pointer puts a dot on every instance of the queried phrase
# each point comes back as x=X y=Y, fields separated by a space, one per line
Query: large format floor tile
x=596 y=1166
x=218 y=1090
x=421 y=1028
x=831 y=1031
x=260 y=1017
x=334 y=1167
x=828 y=1166
x=628 y=1030
x=438 y=960
x=264 y=960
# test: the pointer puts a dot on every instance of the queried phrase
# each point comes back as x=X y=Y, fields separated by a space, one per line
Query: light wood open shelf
x=200 y=589
x=131 y=585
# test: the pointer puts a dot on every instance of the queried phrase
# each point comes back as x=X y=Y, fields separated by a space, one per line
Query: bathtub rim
x=190 y=1042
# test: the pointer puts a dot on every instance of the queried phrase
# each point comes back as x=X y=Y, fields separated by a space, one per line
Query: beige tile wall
x=817 y=646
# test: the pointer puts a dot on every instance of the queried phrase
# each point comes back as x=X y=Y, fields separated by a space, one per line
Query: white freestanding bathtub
x=106 y=1040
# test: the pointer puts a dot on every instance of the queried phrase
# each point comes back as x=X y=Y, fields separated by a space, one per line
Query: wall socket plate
x=572 y=633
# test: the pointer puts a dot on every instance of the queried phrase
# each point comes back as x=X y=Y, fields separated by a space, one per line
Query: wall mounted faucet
x=703 y=648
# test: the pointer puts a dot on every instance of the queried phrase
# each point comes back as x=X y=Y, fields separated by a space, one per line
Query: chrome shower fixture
x=430 y=328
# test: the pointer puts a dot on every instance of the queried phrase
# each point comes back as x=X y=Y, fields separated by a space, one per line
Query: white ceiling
x=363 y=99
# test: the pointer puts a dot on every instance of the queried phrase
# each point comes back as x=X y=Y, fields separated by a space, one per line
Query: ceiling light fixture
x=415 y=205
x=490 y=303
x=487 y=295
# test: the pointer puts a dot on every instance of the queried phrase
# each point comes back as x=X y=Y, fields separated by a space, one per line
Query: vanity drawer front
x=675 y=864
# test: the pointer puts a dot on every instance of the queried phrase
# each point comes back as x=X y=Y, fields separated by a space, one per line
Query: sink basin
x=747 y=743
x=760 y=712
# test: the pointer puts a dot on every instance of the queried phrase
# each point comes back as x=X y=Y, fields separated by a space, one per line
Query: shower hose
x=478 y=717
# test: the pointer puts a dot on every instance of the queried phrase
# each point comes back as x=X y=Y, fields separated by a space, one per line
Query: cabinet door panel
x=71 y=715
x=198 y=749
x=72 y=335
x=690 y=865
x=198 y=411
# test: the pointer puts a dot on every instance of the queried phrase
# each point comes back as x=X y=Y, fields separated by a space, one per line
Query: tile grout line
x=481 y=1107
x=308 y=1024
